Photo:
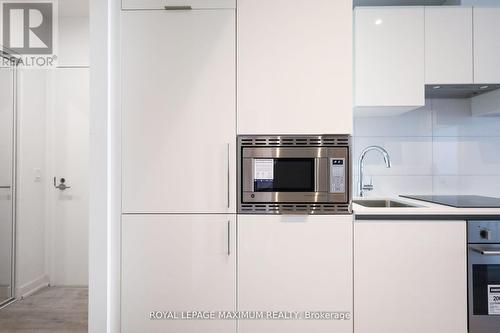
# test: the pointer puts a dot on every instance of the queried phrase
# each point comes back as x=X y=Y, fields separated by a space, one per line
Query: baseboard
x=32 y=287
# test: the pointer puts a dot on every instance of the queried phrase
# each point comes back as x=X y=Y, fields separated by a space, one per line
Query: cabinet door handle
x=178 y=7
x=228 y=237
x=228 y=176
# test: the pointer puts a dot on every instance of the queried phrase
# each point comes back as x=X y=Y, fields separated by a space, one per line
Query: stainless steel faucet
x=387 y=160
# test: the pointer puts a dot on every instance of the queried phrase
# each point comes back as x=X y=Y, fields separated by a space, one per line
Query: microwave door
x=284 y=175
x=285 y=180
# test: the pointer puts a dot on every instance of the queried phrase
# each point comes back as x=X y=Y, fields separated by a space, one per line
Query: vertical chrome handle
x=228 y=176
x=228 y=237
x=316 y=174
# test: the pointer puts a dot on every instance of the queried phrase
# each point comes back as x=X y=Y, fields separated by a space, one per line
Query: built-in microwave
x=294 y=174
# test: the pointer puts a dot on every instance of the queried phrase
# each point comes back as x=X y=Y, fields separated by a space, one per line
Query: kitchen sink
x=383 y=203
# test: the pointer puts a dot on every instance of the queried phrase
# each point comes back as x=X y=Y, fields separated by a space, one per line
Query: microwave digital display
x=284 y=175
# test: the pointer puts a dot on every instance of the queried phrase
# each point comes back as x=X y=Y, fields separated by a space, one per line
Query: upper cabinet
x=389 y=59
x=486 y=45
x=178 y=111
x=294 y=67
x=448 y=45
x=178 y=4
x=399 y=50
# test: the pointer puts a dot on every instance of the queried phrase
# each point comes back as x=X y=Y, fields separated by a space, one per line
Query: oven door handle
x=486 y=251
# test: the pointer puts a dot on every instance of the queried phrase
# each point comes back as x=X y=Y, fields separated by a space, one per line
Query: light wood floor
x=54 y=310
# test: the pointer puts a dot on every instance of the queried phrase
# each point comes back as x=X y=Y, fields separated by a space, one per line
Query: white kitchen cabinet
x=389 y=60
x=410 y=276
x=486 y=44
x=448 y=45
x=178 y=111
x=194 y=4
x=177 y=263
x=294 y=67
x=295 y=263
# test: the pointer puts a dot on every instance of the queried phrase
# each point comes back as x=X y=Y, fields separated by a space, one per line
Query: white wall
x=34 y=251
x=73 y=41
x=438 y=149
x=31 y=193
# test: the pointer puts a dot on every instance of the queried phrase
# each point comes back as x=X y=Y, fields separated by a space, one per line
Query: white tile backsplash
x=392 y=186
x=466 y=156
x=440 y=148
x=414 y=123
x=478 y=185
x=453 y=118
x=409 y=155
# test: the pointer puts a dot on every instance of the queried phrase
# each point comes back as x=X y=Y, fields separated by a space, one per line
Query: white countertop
x=423 y=208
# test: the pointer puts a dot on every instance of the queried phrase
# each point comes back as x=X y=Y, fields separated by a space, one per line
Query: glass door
x=7 y=184
x=284 y=175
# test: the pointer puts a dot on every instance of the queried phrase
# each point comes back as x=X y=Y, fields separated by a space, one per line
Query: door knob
x=62 y=184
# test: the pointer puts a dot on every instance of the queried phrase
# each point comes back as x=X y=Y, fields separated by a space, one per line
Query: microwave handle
x=317 y=161
x=485 y=251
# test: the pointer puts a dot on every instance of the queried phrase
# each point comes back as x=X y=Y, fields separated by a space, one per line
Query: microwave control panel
x=337 y=175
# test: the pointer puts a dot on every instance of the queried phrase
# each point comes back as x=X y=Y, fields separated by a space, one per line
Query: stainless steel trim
x=228 y=176
x=229 y=237
x=316 y=174
x=294 y=140
x=321 y=193
x=319 y=147
x=178 y=7
x=295 y=209
x=292 y=152
x=293 y=197
x=486 y=251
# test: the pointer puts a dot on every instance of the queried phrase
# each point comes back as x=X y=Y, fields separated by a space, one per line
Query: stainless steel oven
x=294 y=174
x=484 y=276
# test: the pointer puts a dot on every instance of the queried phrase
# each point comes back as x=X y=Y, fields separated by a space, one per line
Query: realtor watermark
x=28 y=33
x=250 y=315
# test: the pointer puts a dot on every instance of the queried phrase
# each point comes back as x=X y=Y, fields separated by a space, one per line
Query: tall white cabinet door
x=410 y=276
x=295 y=263
x=178 y=111
x=448 y=45
x=294 y=67
x=486 y=44
x=389 y=59
x=177 y=263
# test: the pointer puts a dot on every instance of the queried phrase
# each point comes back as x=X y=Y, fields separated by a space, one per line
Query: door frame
x=105 y=167
x=15 y=86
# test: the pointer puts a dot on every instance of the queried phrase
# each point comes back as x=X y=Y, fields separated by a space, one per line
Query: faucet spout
x=388 y=164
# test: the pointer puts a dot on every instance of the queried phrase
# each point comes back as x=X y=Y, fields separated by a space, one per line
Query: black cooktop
x=459 y=201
